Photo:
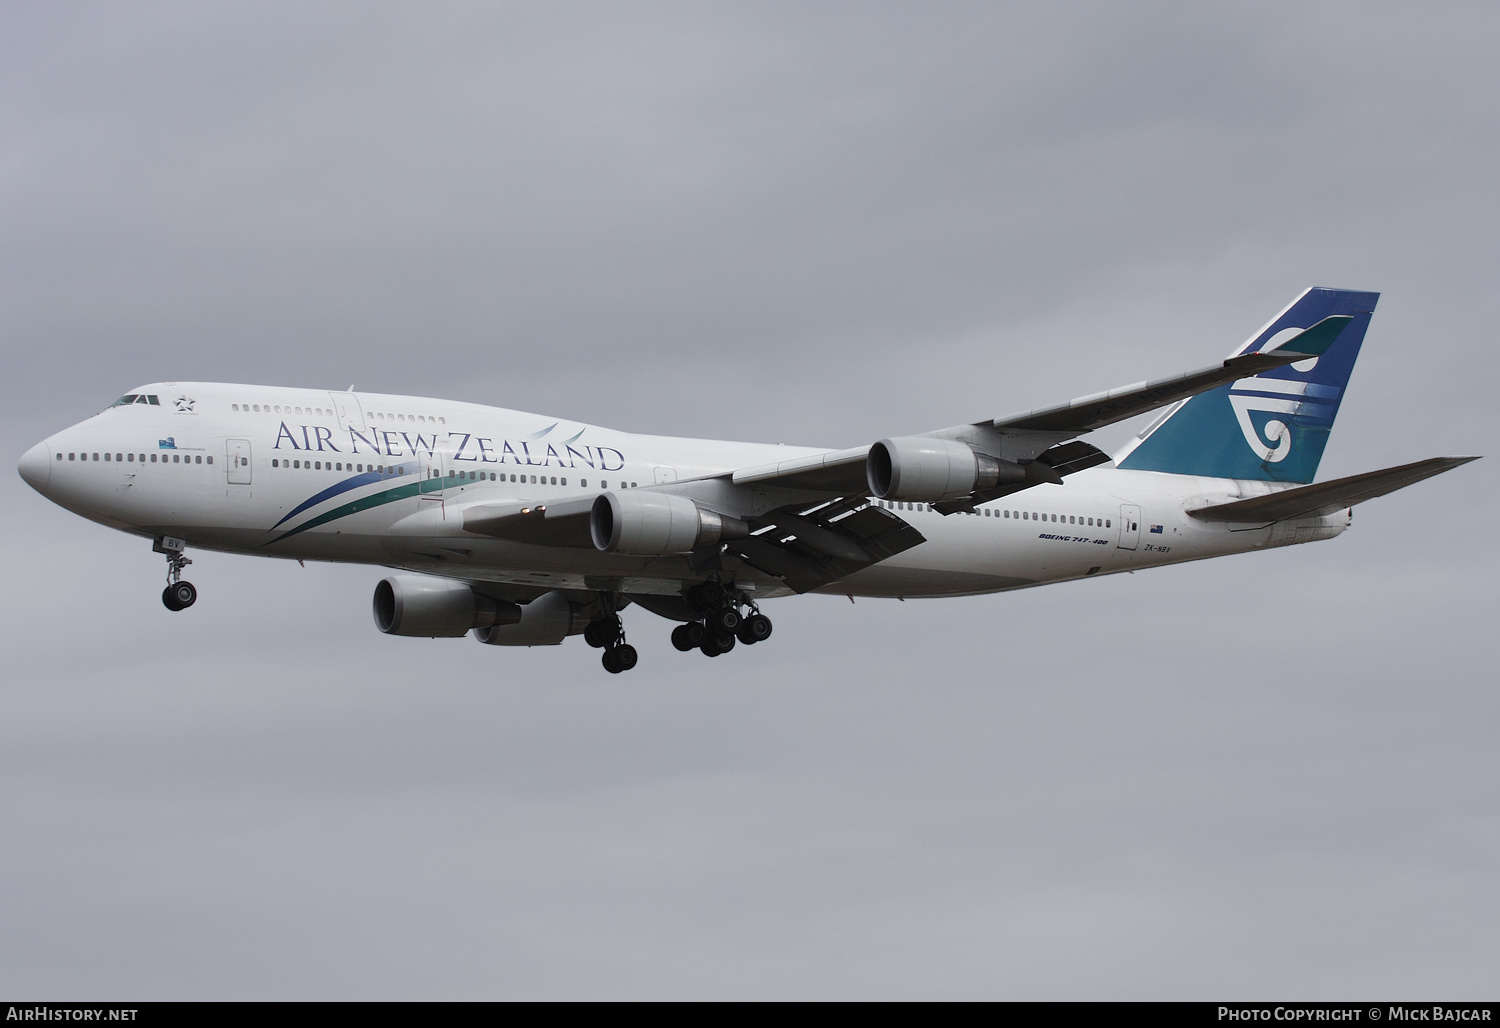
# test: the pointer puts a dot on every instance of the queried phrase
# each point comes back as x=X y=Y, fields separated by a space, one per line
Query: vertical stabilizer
x=1271 y=427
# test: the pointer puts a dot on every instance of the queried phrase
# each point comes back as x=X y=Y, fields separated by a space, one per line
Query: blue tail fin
x=1271 y=427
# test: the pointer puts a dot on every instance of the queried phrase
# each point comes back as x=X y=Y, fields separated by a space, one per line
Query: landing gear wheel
x=179 y=596
x=706 y=594
x=726 y=620
x=755 y=628
x=721 y=642
x=619 y=658
x=602 y=632
x=710 y=646
x=681 y=638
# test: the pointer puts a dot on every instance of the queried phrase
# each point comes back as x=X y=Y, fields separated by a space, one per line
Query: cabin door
x=237 y=457
x=1130 y=526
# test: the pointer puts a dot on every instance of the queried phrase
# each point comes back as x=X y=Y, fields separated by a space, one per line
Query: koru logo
x=185 y=405
x=1277 y=441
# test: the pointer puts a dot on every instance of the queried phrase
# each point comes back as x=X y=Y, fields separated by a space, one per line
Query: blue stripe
x=368 y=478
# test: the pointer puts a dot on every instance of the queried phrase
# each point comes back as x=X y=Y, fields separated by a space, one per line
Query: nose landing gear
x=178 y=595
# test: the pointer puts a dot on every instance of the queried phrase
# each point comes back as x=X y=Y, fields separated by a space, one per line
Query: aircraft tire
x=727 y=619
x=681 y=640
x=611 y=662
x=758 y=626
x=601 y=632
x=706 y=594
x=625 y=656
x=180 y=596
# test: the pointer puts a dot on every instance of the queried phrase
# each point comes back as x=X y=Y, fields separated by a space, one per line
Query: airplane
x=525 y=530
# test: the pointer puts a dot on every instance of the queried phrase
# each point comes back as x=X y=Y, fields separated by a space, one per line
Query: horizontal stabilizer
x=1312 y=501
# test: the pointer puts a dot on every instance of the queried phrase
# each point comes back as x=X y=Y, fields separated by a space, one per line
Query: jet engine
x=427 y=606
x=651 y=524
x=545 y=621
x=926 y=469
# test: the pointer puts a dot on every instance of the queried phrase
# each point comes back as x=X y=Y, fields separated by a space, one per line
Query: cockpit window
x=122 y=401
x=145 y=398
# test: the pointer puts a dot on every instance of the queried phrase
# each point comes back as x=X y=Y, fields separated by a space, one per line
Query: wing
x=561 y=523
x=1034 y=437
x=808 y=546
x=1087 y=413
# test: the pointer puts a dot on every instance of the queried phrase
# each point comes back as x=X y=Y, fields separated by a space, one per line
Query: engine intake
x=652 y=524
x=927 y=469
x=426 y=606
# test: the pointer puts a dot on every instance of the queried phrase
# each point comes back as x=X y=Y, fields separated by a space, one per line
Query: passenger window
x=153 y=458
x=554 y=481
x=603 y=484
x=1107 y=523
x=634 y=486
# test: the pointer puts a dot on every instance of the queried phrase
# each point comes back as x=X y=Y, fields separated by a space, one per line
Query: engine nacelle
x=652 y=524
x=427 y=606
x=545 y=621
x=927 y=469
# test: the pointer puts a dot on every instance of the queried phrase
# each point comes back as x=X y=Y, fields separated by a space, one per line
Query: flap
x=808 y=547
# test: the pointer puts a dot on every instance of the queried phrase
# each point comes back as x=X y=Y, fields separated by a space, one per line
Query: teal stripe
x=363 y=503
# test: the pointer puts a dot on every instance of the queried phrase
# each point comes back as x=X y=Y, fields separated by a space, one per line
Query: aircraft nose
x=36 y=467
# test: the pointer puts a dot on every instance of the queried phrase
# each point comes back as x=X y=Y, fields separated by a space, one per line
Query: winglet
x=1316 y=340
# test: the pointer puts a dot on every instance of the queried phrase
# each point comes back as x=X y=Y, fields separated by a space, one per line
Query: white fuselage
x=382 y=479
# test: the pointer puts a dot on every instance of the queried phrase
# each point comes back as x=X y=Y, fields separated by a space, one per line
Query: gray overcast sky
x=1273 y=775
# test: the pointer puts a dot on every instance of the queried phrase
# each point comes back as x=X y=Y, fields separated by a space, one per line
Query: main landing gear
x=178 y=595
x=728 y=617
x=607 y=633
